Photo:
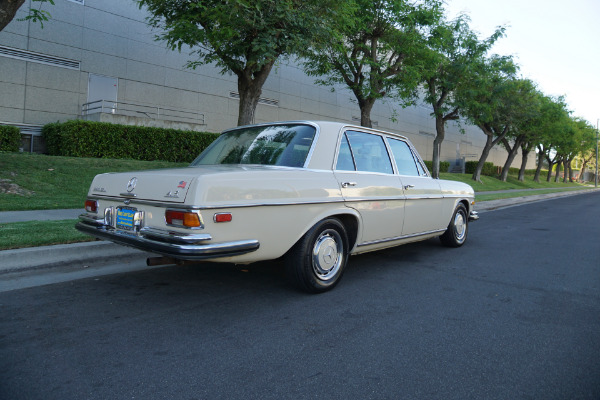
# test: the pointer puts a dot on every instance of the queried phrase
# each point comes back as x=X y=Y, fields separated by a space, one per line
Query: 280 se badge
x=310 y=192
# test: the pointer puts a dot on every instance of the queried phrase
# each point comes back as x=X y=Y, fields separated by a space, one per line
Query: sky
x=555 y=42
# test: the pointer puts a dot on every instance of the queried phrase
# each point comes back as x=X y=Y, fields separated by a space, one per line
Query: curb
x=61 y=254
x=492 y=205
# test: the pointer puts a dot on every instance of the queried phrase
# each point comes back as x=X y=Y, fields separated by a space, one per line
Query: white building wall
x=111 y=38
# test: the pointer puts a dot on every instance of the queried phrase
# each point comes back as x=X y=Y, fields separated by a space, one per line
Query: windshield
x=283 y=145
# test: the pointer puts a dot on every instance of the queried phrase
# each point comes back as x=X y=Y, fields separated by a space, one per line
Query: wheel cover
x=327 y=255
x=460 y=227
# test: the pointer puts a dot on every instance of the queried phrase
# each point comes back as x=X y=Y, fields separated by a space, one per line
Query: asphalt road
x=513 y=314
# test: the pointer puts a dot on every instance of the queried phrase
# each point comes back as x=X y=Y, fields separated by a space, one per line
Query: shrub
x=444 y=165
x=489 y=169
x=10 y=138
x=79 y=138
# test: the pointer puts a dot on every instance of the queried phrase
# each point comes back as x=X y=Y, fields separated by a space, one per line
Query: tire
x=317 y=261
x=458 y=228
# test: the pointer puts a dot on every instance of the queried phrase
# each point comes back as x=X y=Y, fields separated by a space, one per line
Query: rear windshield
x=283 y=145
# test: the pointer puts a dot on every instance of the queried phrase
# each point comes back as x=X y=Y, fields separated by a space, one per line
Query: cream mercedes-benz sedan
x=313 y=193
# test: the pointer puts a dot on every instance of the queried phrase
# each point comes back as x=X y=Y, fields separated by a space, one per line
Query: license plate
x=125 y=218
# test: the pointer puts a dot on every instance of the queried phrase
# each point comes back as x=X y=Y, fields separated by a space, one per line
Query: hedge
x=10 y=138
x=489 y=169
x=444 y=165
x=78 y=138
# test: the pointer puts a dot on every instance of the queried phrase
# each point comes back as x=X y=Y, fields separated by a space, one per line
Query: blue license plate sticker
x=125 y=217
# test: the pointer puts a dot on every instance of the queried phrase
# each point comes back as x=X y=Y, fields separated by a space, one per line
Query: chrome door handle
x=346 y=184
x=406 y=187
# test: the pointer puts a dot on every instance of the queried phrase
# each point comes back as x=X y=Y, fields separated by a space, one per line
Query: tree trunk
x=550 y=166
x=557 y=176
x=484 y=155
x=250 y=88
x=512 y=153
x=365 y=112
x=8 y=9
x=582 y=171
x=524 y=156
x=440 y=126
x=489 y=144
x=538 y=170
x=568 y=172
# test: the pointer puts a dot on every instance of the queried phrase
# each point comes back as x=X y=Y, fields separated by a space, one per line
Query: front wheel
x=456 y=234
x=316 y=263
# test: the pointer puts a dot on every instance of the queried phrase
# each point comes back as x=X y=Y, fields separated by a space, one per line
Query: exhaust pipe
x=154 y=261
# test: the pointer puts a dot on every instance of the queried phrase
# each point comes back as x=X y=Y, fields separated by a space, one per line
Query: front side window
x=368 y=151
x=282 y=145
x=405 y=161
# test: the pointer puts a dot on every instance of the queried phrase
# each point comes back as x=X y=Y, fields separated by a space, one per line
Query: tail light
x=184 y=219
x=91 y=206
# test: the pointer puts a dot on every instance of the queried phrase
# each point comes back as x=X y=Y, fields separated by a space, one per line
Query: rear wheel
x=316 y=263
x=456 y=234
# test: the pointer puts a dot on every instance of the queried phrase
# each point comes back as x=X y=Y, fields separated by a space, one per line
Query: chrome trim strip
x=128 y=195
x=174 y=237
x=91 y=220
x=176 y=250
x=424 y=196
x=400 y=238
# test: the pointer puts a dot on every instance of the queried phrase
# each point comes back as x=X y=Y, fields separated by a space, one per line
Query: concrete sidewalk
x=39 y=215
x=84 y=254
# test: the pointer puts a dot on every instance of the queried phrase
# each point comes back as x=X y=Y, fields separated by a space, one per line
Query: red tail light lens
x=223 y=217
x=183 y=218
x=91 y=206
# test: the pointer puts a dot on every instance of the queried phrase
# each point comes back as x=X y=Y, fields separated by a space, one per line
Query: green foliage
x=10 y=138
x=444 y=166
x=240 y=36
x=38 y=15
x=79 y=138
x=376 y=51
x=489 y=169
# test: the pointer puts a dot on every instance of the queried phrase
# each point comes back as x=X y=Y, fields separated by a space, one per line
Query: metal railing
x=141 y=110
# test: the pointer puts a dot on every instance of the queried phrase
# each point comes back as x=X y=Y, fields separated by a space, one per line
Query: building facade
x=98 y=59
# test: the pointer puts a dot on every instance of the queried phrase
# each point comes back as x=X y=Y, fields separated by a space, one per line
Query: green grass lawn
x=49 y=182
x=40 y=233
x=489 y=183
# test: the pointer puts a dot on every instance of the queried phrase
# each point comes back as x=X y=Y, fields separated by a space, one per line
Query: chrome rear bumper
x=473 y=216
x=173 y=244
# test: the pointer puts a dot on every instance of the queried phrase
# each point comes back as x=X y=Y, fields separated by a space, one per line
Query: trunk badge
x=131 y=184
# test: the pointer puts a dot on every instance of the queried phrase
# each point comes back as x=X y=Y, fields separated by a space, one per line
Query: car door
x=424 y=201
x=366 y=177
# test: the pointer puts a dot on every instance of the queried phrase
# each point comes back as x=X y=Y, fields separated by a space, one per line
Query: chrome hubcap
x=327 y=254
x=460 y=226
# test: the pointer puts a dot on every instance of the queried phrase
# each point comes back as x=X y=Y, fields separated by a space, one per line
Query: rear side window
x=365 y=152
x=405 y=161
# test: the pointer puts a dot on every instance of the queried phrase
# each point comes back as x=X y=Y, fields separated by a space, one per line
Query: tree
x=553 y=116
x=523 y=129
x=8 y=10
x=378 y=53
x=242 y=37
x=455 y=55
x=588 y=145
x=491 y=103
